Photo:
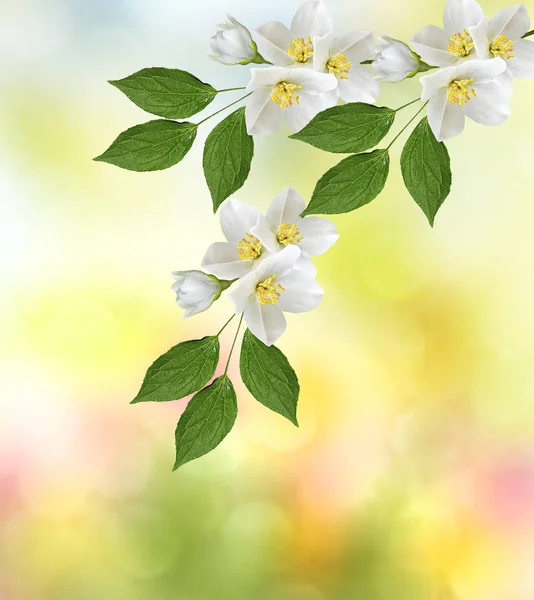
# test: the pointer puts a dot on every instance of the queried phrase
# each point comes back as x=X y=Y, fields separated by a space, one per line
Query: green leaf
x=426 y=169
x=353 y=182
x=227 y=157
x=269 y=377
x=181 y=371
x=348 y=129
x=168 y=93
x=207 y=420
x=153 y=146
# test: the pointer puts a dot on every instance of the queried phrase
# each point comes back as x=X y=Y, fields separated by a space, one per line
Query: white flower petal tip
x=195 y=291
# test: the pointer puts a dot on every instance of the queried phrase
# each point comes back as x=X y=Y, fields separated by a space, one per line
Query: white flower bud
x=196 y=291
x=394 y=61
x=233 y=44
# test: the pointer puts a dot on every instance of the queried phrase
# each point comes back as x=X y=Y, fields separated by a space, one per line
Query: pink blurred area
x=412 y=473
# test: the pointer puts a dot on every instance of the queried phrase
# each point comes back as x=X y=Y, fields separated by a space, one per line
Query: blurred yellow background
x=412 y=474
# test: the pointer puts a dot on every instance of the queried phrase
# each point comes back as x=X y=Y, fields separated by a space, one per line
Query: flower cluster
x=267 y=257
x=314 y=67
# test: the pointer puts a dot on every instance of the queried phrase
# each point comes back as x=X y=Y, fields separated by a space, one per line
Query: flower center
x=301 y=50
x=288 y=234
x=460 y=90
x=339 y=66
x=268 y=292
x=461 y=44
x=249 y=248
x=284 y=94
x=502 y=47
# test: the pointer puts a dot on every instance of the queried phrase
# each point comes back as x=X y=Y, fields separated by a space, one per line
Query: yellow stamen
x=267 y=292
x=339 y=66
x=502 y=47
x=288 y=234
x=249 y=248
x=284 y=94
x=301 y=50
x=460 y=90
x=461 y=44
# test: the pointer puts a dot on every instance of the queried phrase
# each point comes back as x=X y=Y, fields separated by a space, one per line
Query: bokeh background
x=412 y=474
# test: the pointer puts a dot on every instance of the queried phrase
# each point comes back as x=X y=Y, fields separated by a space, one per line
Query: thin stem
x=529 y=34
x=225 y=325
x=222 y=109
x=409 y=104
x=231 y=90
x=233 y=345
x=407 y=125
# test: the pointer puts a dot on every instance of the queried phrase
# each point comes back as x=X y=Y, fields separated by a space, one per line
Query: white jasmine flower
x=445 y=47
x=286 y=47
x=242 y=251
x=501 y=37
x=467 y=89
x=196 y=291
x=275 y=287
x=233 y=44
x=341 y=55
x=394 y=60
x=283 y=226
x=292 y=95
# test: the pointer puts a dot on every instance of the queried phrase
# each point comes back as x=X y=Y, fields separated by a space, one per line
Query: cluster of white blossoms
x=267 y=260
x=311 y=68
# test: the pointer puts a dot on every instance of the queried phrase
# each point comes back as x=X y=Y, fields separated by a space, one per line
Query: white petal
x=198 y=308
x=286 y=208
x=222 y=260
x=267 y=78
x=482 y=71
x=359 y=87
x=263 y=116
x=312 y=82
x=273 y=41
x=266 y=322
x=512 y=22
x=460 y=15
x=322 y=52
x=356 y=46
x=319 y=235
x=432 y=43
x=480 y=36
x=299 y=115
x=312 y=19
x=266 y=235
x=506 y=82
x=437 y=81
x=301 y=293
x=490 y=107
x=522 y=66
x=237 y=219
x=446 y=119
x=305 y=264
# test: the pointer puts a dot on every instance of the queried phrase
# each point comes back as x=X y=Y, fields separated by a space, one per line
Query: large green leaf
x=181 y=371
x=353 y=182
x=269 y=377
x=426 y=169
x=207 y=420
x=348 y=129
x=227 y=157
x=168 y=93
x=153 y=146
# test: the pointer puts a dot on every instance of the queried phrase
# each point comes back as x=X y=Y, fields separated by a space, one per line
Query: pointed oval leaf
x=227 y=157
x=347 y=129
x=352 y=183
x=153 y=146
x=207 y=420
x=168 y=93
x=181 y=371
x=426 y=169
x=269 y=377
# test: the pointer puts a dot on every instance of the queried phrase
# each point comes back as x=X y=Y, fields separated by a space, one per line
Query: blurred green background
x=412 y=474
